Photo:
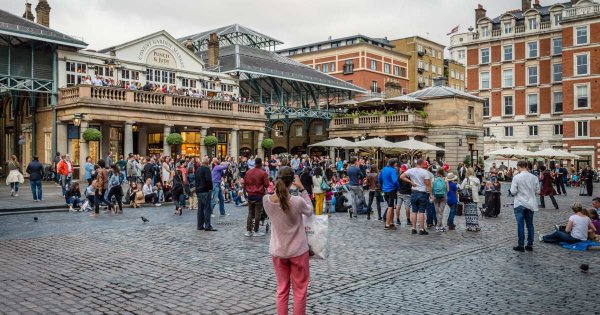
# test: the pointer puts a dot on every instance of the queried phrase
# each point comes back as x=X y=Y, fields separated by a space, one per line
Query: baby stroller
x=48 y=173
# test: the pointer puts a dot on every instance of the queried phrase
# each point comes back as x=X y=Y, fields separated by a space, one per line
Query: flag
x=454 y=30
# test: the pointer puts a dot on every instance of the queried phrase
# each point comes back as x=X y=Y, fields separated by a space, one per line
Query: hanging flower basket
x=210 y=141
x=174 y=139
x=267 y=144
x=92 y=134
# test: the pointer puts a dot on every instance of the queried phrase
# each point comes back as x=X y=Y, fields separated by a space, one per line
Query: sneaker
x=423 y=232
x=390 y=227
x=541 y=237
x=529 y=248
x=259 y=234
x=442 y=229
x=519 y=249
x=556 y=227
x=35 y=200
x=437 y=229
x=71 y=209
x=212 y=216
x=16 y=194
x=398 y=222
x=248 y=234
x=157 y=205
x=429 y=225
x=451 y=227
x=414 y=231
x=12 y=192
x=408 y=222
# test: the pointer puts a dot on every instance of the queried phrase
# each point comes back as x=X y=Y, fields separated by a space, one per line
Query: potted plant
x=211 y=142
x=92 y=134
x=267 y=144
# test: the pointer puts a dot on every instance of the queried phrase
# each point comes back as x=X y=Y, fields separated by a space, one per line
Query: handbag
x=324 y=186
x=460 y=209
x=466 y=194
x=316 y=228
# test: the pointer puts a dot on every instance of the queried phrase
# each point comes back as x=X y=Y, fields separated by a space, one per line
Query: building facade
x=363 y=61
x=536 y=69
x=426 y=61
x=454 y=72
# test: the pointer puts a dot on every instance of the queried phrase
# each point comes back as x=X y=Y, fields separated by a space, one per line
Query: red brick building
x=363 y=61
x=539 y=69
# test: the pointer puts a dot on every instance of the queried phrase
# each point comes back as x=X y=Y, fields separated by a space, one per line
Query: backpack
x=439 y=188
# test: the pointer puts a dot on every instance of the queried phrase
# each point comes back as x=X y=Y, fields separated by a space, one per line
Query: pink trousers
x=297 y=269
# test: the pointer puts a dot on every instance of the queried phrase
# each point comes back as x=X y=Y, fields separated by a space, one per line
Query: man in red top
x=256 y=183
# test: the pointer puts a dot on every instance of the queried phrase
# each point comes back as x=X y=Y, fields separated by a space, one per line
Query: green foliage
x=174 y=139
x=267 y=143
x=92 y=134
x=210 y=141
x=467 y=161
x=480 y=160
x=421 y=113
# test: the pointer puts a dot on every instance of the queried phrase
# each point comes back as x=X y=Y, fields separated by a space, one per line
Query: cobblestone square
x=69 y=263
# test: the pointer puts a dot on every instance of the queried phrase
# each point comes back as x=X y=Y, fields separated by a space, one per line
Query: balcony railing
x=520 y=29
x=378 y=121
x=574 y=13
x=121 y=97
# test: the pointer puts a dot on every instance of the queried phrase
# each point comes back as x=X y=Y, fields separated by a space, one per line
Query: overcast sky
x=103 y=23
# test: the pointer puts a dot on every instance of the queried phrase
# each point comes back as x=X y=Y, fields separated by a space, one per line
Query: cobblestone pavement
x=69 y=263
x=51 y=193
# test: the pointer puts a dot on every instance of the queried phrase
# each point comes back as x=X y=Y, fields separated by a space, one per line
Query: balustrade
x=108 y=93
x=148 y=98
x=396 y=118
x=69 y=93
x=220 y=106
x=249 y=108
x=187 y=102
x=378 y=121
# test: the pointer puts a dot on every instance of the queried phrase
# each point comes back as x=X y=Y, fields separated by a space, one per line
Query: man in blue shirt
x=388 y=178
x=355 y=175
x=339 y=166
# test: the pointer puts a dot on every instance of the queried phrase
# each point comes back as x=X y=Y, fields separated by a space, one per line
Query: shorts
x=404 y=199
x=419 y=201
x=390 y=198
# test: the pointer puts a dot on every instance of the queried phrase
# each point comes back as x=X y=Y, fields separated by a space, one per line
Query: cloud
x=104 y=23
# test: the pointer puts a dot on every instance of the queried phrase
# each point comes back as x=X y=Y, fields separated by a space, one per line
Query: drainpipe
x=54 y=100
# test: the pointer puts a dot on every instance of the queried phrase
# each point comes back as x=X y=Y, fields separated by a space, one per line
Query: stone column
x=166 y=146
x=234 y=144
x=84 y=150
x=203 y=133
x=128 y=138
x=260 y=152
x=61 y=137
x=356 y=139
x=332 y=153
x=142 y=141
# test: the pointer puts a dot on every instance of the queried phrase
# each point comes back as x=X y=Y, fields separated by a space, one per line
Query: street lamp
x=135 y=127
x=77 y=119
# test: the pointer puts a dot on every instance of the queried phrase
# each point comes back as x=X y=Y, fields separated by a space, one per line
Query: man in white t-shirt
x=420 y=179
x=526 y=188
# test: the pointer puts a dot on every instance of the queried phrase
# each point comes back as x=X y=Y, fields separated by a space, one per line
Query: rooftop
x=234 y=34
x=19 y=27
x=544 y=11
x=442 y=92
x=382 y=42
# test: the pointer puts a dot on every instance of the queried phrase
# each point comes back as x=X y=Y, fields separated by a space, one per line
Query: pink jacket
x=288 y=238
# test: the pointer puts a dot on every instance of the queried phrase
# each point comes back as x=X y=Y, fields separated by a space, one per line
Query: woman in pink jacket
x=289 y=245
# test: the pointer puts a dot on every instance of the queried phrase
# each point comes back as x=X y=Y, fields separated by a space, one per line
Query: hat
x=403 y=168
x=451 y=177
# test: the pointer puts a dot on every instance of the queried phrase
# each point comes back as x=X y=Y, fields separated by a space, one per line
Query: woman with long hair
x=14 y=177
x=177 y=190
x=546 y=188
x=318 y=179
x=289 y=245
x=470 y=206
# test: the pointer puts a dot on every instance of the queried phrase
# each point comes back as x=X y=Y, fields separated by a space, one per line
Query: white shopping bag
x=317 y=232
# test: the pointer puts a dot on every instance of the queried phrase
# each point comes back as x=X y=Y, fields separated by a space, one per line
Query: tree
x=467 y=161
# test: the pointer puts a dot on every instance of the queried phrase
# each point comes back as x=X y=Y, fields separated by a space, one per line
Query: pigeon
x=144 y=220
x=35 y=219
x=584 y=268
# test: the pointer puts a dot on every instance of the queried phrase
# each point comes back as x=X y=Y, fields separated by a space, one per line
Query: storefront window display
x=191 y=144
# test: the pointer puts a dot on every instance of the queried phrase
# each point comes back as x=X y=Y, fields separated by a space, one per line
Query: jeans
x=297 y=268
x=14 y=186
x=254 y=214
x=524 y=217
x=99 y=198
x=204 y=210
x=373 y=194
x=116 y=191
x=74 y=201
x=273 y=174
x=431 y=215
x=451 y=214
x=218 y=193
x=65 y=183
x=357 y=198
x=560 y=236
x=560 y=185
x=36 y=189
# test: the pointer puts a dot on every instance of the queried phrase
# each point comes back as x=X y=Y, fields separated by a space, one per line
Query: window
x=486 y=132
x=461 y=54
x=582 y=129
x=318 y=130
x=507 y=28
x=76 y=72
x=471 y=113
x=403 y=72
x=332 y=66
x=298 y=130
x=439 y=55
x=532 y=104
x=532 y=50
x=485 y=31
x=508 y=106
x=582 y=96
x=558 y=130
x=158 y=76
x=373 y=65
x=396 y=70
x=557 y=72
x=48 y=148
x=557 y=46
x=486 y=108
x=335 y=44
x=508 y=78
x=452 y=74
x=485 y=55
x=420 y=48
x=485 y=81
x=349 y=42
x=325 y=67
x=508 y=131
x=191 y=83
x=557 y=19
x=318 y=68
x=386 y=68
x=433 y=68
x=508 y=53
x=532 y=75
x=557 y=102
x=374 y=86
x=532 y=23
x=581 y=64
x=581 y=35
x=533 y=130
x=104 y=71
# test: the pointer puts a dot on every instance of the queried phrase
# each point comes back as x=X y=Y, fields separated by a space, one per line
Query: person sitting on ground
x=73 y=196
x=596 y=204
x=136 y=196
x=593 y=214
x=150 y=193
x=341 y=202
x=576 y=230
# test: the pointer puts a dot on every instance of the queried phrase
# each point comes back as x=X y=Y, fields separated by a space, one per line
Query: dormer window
x=532 y=23
x=485 y=31
x=557 y=19
x=508 y=29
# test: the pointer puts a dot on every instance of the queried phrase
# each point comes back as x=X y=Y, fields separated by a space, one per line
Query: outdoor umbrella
x=335 y=143
x=413 y=147
x=555 y=154
x=374 y=144
x=511 y=153
x=404 y=99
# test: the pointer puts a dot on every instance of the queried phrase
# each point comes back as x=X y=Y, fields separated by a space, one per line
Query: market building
x=536 y=67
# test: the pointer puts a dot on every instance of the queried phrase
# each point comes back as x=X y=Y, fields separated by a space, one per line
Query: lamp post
x=77 y=119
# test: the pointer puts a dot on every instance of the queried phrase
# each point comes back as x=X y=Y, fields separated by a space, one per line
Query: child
x=271 y=188
x=593 y=214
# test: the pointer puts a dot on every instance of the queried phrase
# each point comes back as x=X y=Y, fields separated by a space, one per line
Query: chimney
x=28 y=14
x=393 y=89
x=537 y=4
x=574 y=2
x=189 y=44
x=525 y=5
x=213 y=49
x=440 y=81
x=42 y=10
x=479 y=13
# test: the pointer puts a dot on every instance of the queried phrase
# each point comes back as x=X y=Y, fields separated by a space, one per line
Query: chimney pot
x=42 y=11
x=213 y=50
x=28 y=14
x=537 y=4
x=479 y=13
x=525 y=5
